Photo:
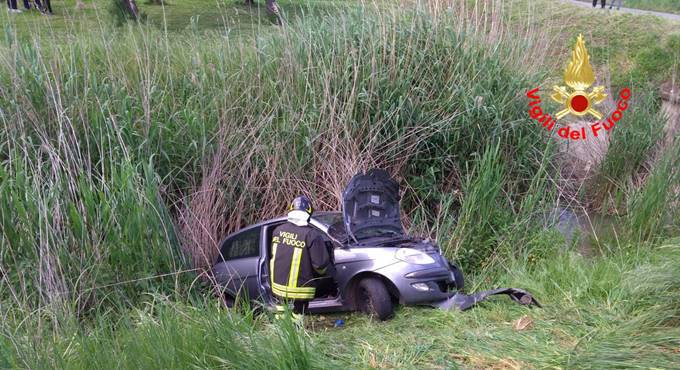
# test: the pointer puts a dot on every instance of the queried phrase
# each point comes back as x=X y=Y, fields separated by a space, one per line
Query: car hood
x=370 y=205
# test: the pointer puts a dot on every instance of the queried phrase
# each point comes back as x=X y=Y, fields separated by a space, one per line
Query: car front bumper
x=420 y=284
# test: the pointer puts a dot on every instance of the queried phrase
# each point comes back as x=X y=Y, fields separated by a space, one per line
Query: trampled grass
x=126 y=153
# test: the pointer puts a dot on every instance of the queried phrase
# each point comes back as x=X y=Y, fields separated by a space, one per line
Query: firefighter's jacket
x=299 y=255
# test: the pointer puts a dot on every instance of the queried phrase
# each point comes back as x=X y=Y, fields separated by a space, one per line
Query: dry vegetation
x=127 y=154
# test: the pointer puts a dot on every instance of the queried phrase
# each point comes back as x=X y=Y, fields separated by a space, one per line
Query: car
x=377 y=264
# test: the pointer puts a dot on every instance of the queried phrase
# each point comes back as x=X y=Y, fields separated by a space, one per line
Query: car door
x=237 y=270
x=264 y=277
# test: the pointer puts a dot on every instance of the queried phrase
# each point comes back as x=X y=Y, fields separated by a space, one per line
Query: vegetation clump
x=128 y=153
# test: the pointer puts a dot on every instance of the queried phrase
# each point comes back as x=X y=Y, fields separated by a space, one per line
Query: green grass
x=666 y=6
x=625 y=49
x=618 y=310
x=602 y=313
x=229 y=17
x=127 y=153
x=631 y=144
x=169 y=335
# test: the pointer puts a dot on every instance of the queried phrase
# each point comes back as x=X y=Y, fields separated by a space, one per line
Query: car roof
x=269 y=221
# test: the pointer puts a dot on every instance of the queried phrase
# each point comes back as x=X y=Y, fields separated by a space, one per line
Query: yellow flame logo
x=579 y=76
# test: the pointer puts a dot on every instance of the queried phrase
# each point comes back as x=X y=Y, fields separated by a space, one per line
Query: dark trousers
x=325 y=287
x=603 y=2
x=299 y=307
x=44 y=5
x=12 y=4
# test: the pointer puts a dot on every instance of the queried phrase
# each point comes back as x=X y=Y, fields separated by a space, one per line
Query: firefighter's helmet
x=300 y=210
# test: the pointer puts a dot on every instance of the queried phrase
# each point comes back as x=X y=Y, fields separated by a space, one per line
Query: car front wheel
x=373 y=299
x=459 y=282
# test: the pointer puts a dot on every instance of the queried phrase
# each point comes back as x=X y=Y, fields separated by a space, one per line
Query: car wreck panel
x=417 y=290
x=238 y=276
x=350 y=262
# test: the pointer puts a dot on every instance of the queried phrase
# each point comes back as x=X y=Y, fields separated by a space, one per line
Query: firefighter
x=301 y=264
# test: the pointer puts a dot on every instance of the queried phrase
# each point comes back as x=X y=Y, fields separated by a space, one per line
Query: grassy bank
x=227 y=17
x=625 y=49
x=666 y=6
x=127 y=153
x=618 y=310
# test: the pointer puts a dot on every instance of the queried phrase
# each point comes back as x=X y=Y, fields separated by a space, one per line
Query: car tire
x=459 y=282
x=373 y=299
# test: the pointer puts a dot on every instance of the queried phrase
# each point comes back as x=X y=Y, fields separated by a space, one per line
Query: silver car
x=376 y=263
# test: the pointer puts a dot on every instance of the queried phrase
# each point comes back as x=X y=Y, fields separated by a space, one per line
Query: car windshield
x=329 y=219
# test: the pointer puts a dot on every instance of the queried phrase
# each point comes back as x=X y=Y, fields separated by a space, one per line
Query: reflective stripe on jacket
x=299 y=255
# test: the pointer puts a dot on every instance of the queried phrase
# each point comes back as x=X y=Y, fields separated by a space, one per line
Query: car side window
x=242 y=245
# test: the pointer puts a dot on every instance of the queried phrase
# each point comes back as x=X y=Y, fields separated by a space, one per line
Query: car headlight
x=413 y=256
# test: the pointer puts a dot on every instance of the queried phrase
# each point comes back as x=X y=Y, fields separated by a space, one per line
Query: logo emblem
x=579 y=77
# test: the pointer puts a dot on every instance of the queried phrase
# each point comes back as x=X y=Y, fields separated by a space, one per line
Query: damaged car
x=378 y=265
